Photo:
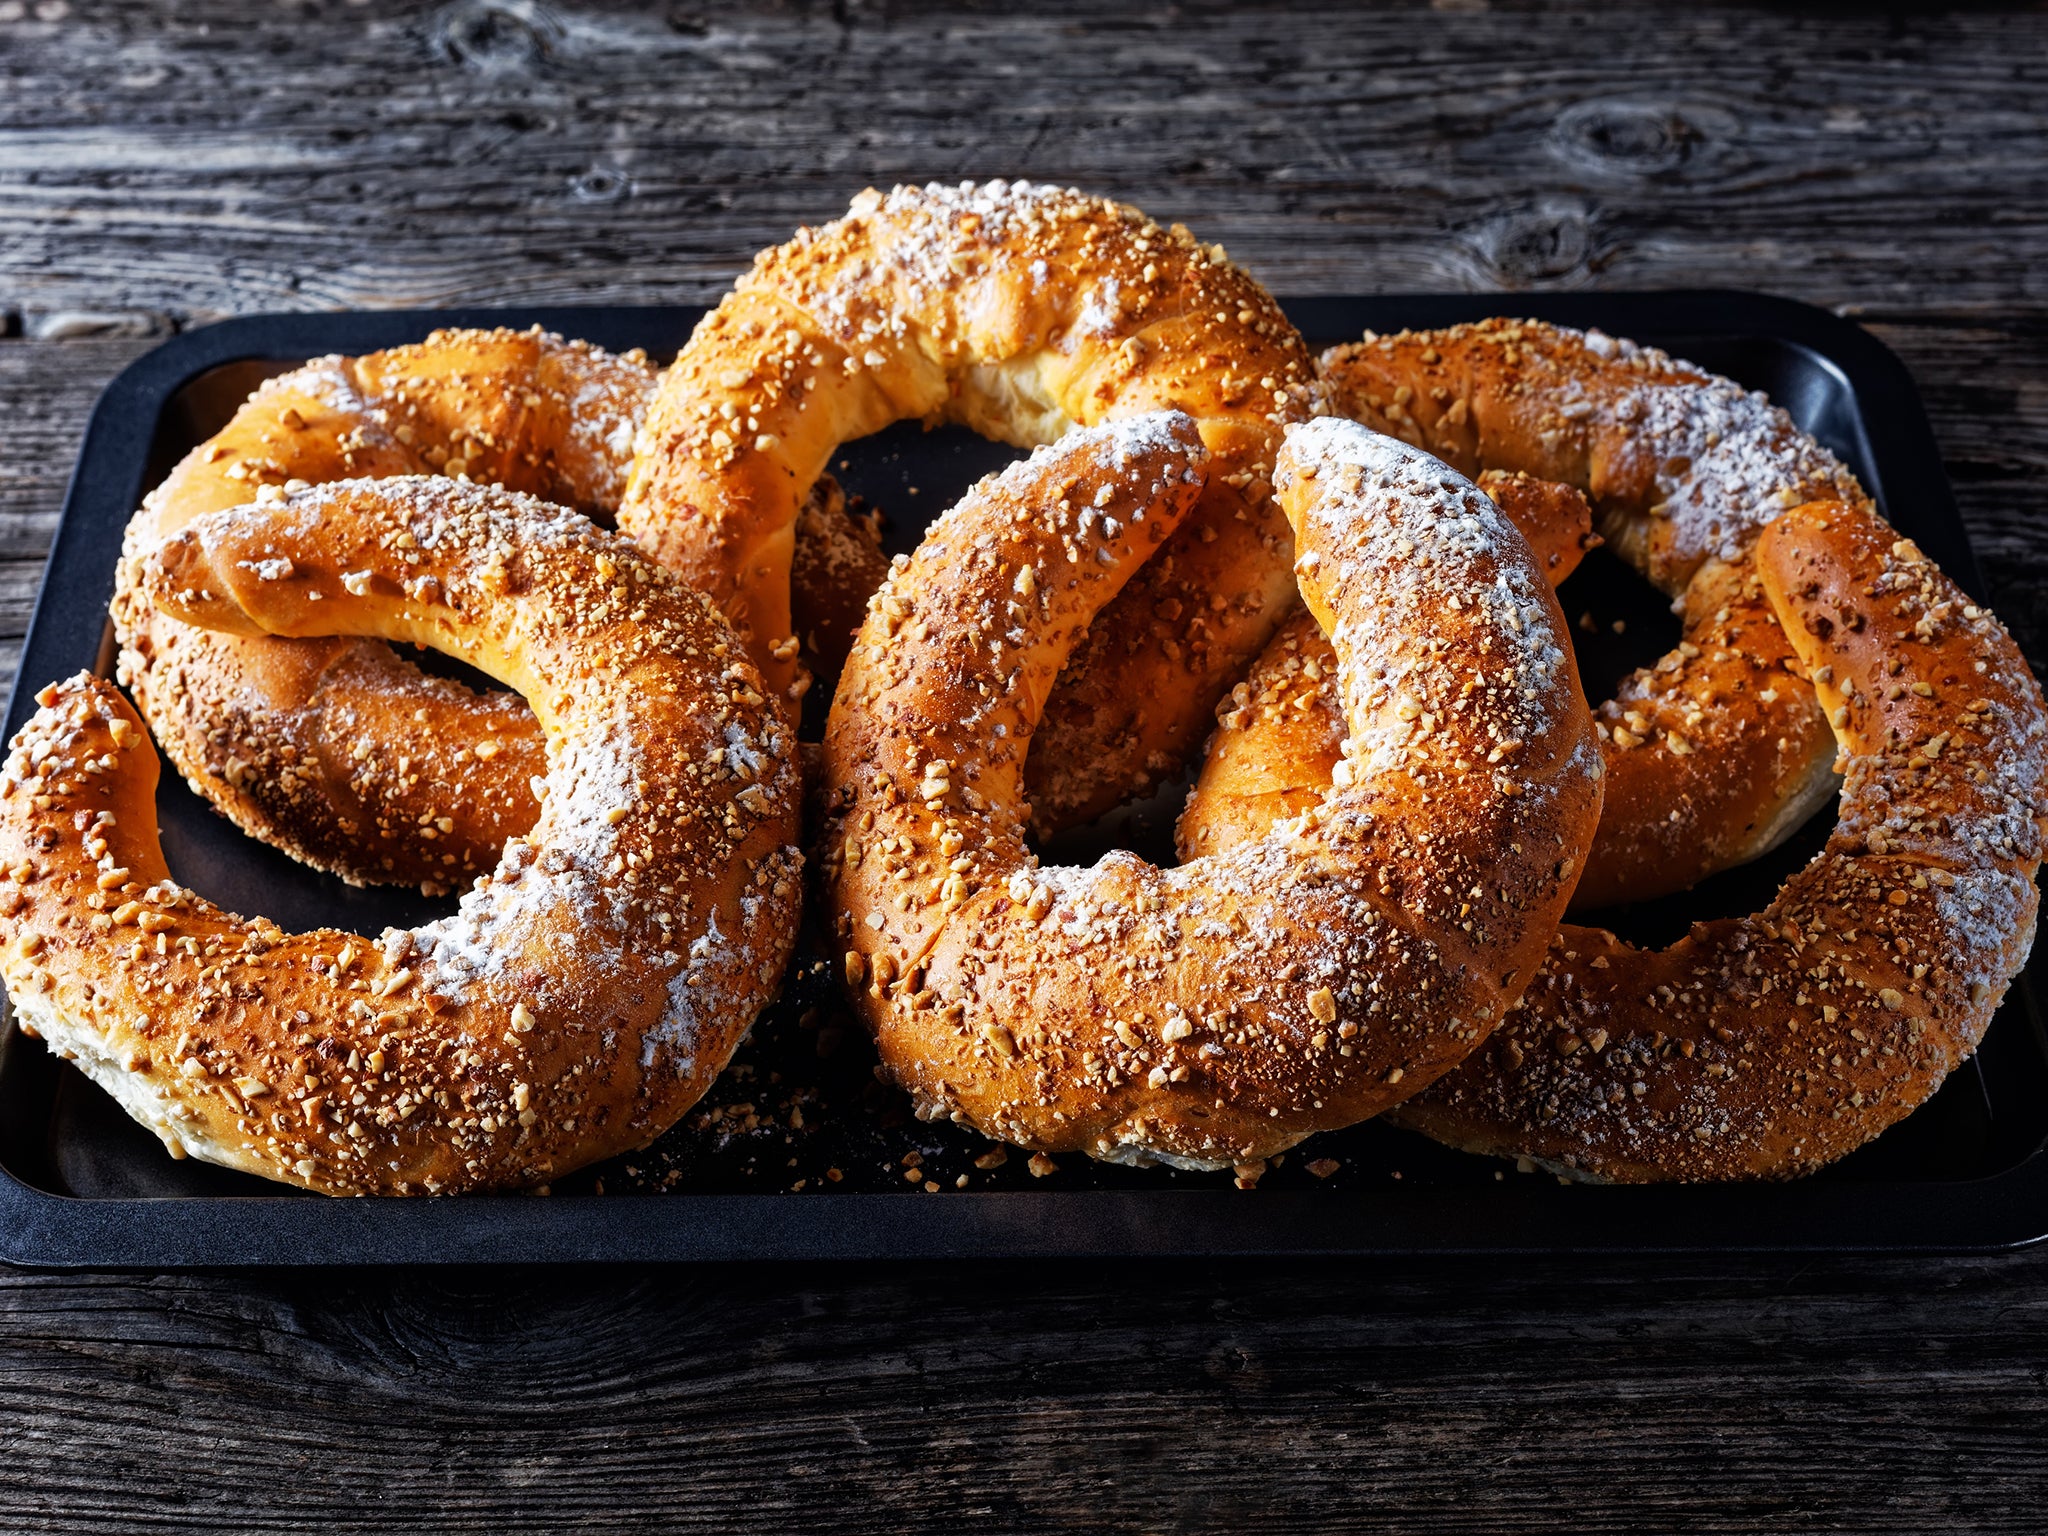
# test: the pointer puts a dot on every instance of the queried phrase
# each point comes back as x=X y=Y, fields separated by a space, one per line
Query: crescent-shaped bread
x=1217 y=1012
x=582 y=996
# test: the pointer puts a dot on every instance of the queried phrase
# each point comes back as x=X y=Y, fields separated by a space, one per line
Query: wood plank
x=1202 y=1397
x=1981 y=377
x=225 y=158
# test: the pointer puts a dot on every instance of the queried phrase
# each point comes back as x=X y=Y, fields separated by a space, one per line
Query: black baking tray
x=798 y=1153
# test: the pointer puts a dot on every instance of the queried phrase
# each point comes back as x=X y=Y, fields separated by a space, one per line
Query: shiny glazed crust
x=1716 y=753
x=335 y=749
x=1217 y=1012
x=1020 y=312
x=1767 y=1046
x=582 y=996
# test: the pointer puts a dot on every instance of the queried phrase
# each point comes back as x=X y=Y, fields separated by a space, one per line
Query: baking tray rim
x=2001 y=1211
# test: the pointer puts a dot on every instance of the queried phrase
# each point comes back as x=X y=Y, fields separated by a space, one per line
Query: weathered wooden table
x=160 y=167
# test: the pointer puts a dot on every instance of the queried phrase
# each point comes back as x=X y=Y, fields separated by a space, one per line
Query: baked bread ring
x=582 y=996
x=335 y=749
x=1220 y=1011
x=1018 y=311
x=1277 y=740
x=1718 y=752
x=1766 y=1046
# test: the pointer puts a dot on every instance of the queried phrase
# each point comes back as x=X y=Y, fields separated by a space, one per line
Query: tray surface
x=797 y=1152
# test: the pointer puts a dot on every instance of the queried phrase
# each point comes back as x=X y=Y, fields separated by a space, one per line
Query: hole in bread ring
x=582 y=996
x=1716 y=753
x=1217 y=1012
x=336 y=749
x=1769 y=1045
x=1020 y=312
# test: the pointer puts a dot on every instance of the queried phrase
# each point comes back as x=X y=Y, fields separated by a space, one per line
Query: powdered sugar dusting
x=1727 y=460
x=1410 y=536
x=1986 y=913
x=1103 y=311
x=606 y=400
x=609 y=888
x=1689 y=465
x=527 y=408
x=921 y=262
x=1769 y=1045
x=1129 y=439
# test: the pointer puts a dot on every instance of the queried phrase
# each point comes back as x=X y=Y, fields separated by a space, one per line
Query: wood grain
x=160 y=167
x=1202 y=1398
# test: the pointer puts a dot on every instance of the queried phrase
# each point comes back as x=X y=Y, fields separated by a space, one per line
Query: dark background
x=160 y=168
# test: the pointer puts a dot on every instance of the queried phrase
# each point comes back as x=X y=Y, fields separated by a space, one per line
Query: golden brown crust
x=836 y=567
x=1280 y=733
x=338 y=751
x=583 y=995
x=335 y=749
x=1277 y=741
x=1555 y=519
x=1220 y=1011
x=1766 y=1046
x=1715 y=755
x=1683 y=469
x=1020 y=312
